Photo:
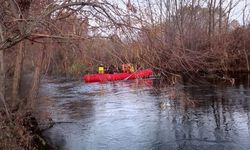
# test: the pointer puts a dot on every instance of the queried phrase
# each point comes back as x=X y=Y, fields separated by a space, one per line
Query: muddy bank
x=21 y=131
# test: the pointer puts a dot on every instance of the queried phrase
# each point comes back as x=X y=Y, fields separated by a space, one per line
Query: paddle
x=131 y=74
x=128 y=77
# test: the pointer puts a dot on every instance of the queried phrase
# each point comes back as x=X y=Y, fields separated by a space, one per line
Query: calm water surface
x=142 y=115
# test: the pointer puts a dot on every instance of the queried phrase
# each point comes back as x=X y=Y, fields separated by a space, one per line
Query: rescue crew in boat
x=131 y=68
x=101 y=69
x=128 y=68
x=111 y=69
x=127 y=72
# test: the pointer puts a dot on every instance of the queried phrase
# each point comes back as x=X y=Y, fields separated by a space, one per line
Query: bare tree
x=29 y=26
x=20 y=10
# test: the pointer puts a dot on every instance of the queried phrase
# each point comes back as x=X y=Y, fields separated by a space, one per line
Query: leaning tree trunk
x=2 y=72
x=36 y=79
x=20 y=9
x=17 y=72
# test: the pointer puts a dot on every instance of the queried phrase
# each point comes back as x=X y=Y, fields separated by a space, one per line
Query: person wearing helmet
x=101 y=69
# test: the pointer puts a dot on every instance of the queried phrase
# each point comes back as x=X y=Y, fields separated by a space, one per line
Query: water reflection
x=141 y=115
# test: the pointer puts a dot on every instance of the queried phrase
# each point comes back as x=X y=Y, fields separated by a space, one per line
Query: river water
x=147 y=115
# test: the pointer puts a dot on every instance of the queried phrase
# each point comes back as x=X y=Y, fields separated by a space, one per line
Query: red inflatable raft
x=117 y=76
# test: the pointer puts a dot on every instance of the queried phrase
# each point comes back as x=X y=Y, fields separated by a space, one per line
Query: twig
x=5 y=106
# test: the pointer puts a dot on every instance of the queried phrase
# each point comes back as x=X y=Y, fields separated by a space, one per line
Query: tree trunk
x=17 y=72
x=244 y=14
x=210 y=20
x=220 y=16
x=213 y=17
x=246 y=57
x=20 y=11
x=228 y=14
x=36 y=79
x=210 y=24
x=2 y=73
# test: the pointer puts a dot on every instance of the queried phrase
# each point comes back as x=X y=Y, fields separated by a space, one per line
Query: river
x=146 y=115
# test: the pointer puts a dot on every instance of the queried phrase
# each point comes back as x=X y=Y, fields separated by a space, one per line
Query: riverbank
x=21 y=131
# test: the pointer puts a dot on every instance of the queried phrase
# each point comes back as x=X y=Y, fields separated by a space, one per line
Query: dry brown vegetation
x=72 y=37
x=20 y=132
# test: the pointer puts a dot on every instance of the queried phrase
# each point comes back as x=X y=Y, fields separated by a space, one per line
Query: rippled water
x=141 y=115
